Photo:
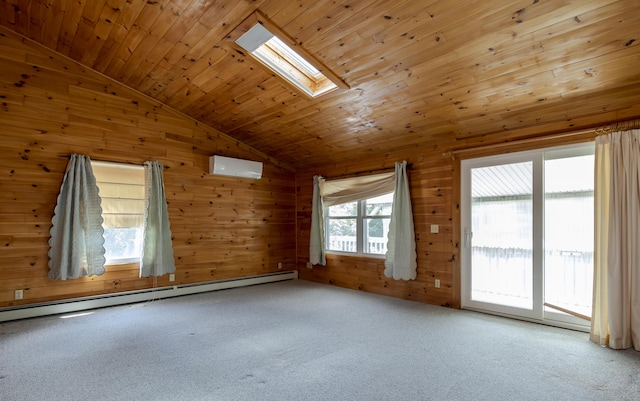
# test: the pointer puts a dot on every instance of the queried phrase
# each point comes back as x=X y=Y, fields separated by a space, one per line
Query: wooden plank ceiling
x=421 y=73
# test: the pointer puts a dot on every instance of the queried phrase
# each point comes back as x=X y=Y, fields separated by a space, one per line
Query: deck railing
x=375 y=245
x=506 y=273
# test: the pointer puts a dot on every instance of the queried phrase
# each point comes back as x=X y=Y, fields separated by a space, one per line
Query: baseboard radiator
x=122 y=298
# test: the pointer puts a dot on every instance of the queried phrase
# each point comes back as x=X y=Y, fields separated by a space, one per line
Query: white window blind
x=336 y=192
x=122 y=192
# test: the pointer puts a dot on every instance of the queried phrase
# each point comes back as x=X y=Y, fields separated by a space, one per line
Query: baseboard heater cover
x=122 y=298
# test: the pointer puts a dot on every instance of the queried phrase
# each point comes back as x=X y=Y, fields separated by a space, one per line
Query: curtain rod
x=111 y=161
x=357 y=173
x=455 y=152
x=618 y=126
x=604 y=129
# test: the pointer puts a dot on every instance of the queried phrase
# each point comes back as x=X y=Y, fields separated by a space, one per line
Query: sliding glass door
x=527 y=224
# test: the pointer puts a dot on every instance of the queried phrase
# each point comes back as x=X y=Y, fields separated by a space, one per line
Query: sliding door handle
x=468 y=234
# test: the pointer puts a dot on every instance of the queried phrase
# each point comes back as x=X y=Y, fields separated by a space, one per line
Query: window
x=359 y=227
x=122 y=192
x=283 y=60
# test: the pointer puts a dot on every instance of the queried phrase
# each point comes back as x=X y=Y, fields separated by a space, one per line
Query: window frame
x=539 y=156
x=284 y=57
x=361 y=218
x=123 y=261
x=140 y=234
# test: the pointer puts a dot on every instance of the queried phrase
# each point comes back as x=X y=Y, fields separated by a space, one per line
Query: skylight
x=285 y=61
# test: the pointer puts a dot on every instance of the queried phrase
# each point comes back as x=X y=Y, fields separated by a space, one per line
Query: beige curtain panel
x=616 y=298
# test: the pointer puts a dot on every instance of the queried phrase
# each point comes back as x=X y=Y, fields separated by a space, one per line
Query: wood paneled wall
x=50 y=107
x=434 y=181
x=432 y=192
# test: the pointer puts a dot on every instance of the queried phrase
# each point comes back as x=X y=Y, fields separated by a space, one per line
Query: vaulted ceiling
x=419 y=72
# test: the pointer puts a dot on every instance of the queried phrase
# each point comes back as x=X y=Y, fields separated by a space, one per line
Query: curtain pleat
x=77 y=237
x=316 y=239
x=401 y=258
x=616 y=297
x=602 y=191
x=157 y=251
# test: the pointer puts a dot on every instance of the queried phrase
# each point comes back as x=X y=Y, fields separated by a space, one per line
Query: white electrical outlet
x=172 y=277
x=437 y=283
x=18 y=294
x=435 y=229
x=279 y=265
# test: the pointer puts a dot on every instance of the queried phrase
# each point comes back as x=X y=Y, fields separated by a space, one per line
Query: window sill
x=357 y=255
x=122 y=261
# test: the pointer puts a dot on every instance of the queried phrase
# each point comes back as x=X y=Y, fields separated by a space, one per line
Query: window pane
x=359 y=227
x=502 y=227
x=345 y=209
x=122 y=243
x=380 y=205
x=376 y=231
x=342 y=235
x=568 y=238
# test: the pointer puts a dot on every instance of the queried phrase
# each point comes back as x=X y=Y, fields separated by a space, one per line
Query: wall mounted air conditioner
x=221 y=165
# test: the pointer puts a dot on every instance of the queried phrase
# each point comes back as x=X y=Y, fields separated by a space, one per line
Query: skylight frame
x=296 y=70
x=266 y=43
x=279 y=47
